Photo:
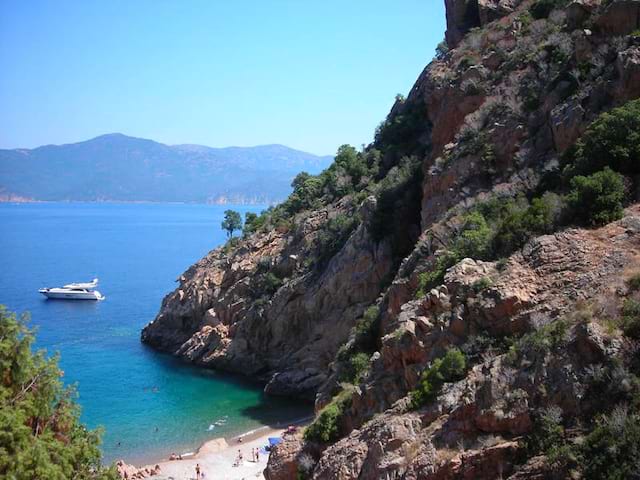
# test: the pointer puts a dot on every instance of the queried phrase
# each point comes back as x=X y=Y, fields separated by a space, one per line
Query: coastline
x=216 y=457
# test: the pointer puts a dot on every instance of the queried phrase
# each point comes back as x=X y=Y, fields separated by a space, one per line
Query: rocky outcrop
x=283 y=462
x=213 y=320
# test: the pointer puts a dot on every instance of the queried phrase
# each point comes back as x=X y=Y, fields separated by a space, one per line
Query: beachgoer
x=257 y=455
x=197 y=471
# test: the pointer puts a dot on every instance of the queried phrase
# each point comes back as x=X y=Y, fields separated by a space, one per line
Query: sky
x=312 y=75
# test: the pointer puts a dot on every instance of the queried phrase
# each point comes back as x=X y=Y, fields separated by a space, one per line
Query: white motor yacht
x=74 y=291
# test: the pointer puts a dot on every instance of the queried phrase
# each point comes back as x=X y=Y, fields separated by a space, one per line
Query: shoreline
x=217 y=455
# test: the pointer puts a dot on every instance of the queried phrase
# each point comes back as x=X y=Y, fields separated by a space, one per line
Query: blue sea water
x=149 y=404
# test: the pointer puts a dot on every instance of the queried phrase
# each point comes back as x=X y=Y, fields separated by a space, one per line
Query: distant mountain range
x=116 y=167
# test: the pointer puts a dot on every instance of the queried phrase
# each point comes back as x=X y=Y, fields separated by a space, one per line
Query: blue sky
x=309 y=74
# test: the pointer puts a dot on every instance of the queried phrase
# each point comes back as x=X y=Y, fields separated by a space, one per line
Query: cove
x=149 y=404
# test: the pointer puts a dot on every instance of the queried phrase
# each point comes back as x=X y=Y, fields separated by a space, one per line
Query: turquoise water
x=150 y=404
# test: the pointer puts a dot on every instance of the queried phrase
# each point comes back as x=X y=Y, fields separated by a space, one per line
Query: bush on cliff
x=366 y=330
x=473 y=240
x=597 y=199
x=540 y=341
x=326 y=427
x=251 y=223
x=353 y=369
x=611 y=451
x=332 y=237
x=522 y=222
x=40 y=433
x=450 y=368
x=398 y=206
x=631 y=318
x=613 y=140
x=399 y=134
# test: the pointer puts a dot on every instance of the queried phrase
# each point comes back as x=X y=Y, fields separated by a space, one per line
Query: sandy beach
x=217 y=459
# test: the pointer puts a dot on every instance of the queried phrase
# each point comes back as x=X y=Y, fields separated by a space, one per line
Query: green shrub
x=352 y=162
x=545 y=339
x=271 y=283
x=548 y=432
x=631 y=318
x=41 y=436
x=471 y=141
x=634 y=282
x=613 y=140
x=611 y=451
x=475 y=238
x=398 y=207
x=326 y=426
x=230 y=244
x=352 y=370
x=481 y=284
x=333 y=235
x=399 y=134
x=442 y=50
x=366 y=330
x=521 y=221
x=392 y=195
x=264 y=283
x=451 y=367
x=597 y=199
x=435 y=276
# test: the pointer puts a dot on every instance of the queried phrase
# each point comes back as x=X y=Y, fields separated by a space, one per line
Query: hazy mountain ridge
x=117 y=167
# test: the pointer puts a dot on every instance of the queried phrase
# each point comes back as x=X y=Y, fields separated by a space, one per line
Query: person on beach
x=257 y=455
x=198 y=471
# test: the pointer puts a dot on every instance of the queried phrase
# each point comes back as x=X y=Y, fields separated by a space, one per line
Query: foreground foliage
x=40 y=433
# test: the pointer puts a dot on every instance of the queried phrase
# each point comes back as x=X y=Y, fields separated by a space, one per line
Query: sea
x=149 y=404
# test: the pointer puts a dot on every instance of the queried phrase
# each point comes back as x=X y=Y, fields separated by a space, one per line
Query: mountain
x=121 y=168
x=461 y=299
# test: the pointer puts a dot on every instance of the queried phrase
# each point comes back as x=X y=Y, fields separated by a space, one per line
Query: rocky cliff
x=460 y=296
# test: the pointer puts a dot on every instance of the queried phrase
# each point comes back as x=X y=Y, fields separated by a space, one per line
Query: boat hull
x=57 y=295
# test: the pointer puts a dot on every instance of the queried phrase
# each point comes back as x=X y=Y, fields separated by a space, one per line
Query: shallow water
x=149 y=403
